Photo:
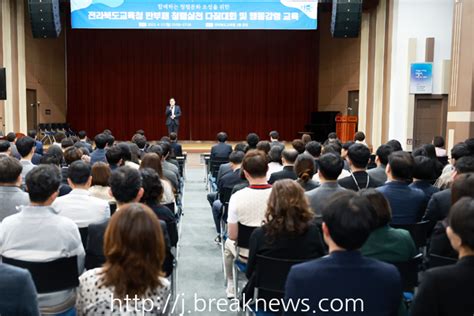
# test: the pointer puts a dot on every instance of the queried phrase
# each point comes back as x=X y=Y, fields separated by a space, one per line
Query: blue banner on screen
x=195 y=14
x=421 y=78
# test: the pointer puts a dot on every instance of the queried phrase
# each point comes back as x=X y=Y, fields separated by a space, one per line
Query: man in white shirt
x=248 y=207
x=79 y=205
x=26 y=147
x=38 y=234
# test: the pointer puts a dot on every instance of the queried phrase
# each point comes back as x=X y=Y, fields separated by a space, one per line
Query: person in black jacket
x=289 y=231
x=449 y=290
x=221 y=150
x=288 y=156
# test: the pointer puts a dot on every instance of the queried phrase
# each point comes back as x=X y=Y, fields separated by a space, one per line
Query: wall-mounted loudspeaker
x=45 y=18
x=3 y=84
x=346 y=17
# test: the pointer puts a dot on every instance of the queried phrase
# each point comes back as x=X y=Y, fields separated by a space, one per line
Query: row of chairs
x=49 y=130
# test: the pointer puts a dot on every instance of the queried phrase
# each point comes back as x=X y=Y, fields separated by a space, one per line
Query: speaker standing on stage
x=173 y=112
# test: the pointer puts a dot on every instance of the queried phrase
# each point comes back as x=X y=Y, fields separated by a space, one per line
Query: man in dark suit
x=407 y=203
x=173 y=113
x=373 y=287
x=176 y=148
x=381 y=159
x=99 y=153
x=126 y=187
x=449 y=290
x=358 y=156
x=221 y=150
x=288 y=157
x=439 y=204
x=275 y=139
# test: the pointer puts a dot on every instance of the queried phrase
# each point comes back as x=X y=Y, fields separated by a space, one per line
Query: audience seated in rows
x=289 y=231
x=407 y=204
x=247 y=207
x=381 y=160
x=386 y=243
x=304 y=169
x=463 y=186
x=134 y=249
x=449 y=290
x=79 y=205
x=288 y=157
x=345 y=273
x=358 y=156
x=330 y=167
x=100 y=189
x=11 y=196
x=38 y=234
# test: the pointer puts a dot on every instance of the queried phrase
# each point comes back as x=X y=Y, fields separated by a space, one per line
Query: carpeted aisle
x=200 y=271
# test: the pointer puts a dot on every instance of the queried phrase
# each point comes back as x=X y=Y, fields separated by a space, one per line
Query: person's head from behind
x=330 y=167
x=252 y=140
x=42 y=184
x=333 y=147
x=110 y=140
x=221 y=137
x=430 y=151
x=166 y=149
x=359 y=137
x=26 y=146
x=275 y=154
x=240 y=147
x=126 y=151
x=152 y=161
x=332 y=136
x=67 y=142
x=470 y=145
x=306 y=138
x=395 y=144
x=382 y=154
x=107 y=131
x=236 y=158
x=400 y=166
x=274 y=136
x=139 y=140
x=72 y=154
x=358 y=156
x=59 y=136
x=438 y=141
x=298 y=145
x=383 y=212
x=11 y=137
x=32 y=133
x=79 y=175
x=347 y=221
x=10 y=171
x=152 y=187
x=114 y=155
x=101 y=140
x=141 y=132
x=461 y=226
x=304 y=167
x=255 y=165
x=424 y=168
x=288 y=211
x=134 y=249
x=100 y=174
x=5 y=147
x=458 y=151
x=126 y=185
x=314 y=149
x=54 y=156
x=463 y=165
x=345 y=149
x=264 y=146
x=173 y=137
x=82 y=135
x=288 y=157
x=462 y=186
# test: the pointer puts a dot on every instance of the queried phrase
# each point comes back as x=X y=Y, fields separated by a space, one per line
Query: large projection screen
x=195 y=14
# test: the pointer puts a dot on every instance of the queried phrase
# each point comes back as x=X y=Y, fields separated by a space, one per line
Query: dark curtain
x=233 y=81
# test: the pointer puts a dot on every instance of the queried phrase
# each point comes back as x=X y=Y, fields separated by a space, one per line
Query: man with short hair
x=84 y=141
x=252 y=141
x=274 y=165
x=247 y=207
x=79 y=205
x=167 y=162
x=38 y=234
x=314 y=148
x=275 y=139
x=288 y=157
x=381 y=159
x=5 y=148
x=358 y=157
x=99 y=153
x=113 y=156
x=330 y=167
x=374 y=286
x=11 y=195
x=407 y=204
x=176 y=148
x=11 y=137
x=140 y=141
x=26 y=148
x=221 y=150
x=423 y=173
x=39 y=145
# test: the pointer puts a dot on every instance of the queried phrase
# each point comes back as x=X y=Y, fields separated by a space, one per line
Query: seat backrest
x=418 y=231
x=215 y=165
x=409 y=272
x=440 y=261
x=84 y=231
x=271 y=273
x=225 y=194
x=52 y=276
x=243 y=237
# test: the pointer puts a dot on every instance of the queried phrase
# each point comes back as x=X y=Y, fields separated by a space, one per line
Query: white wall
x=416 y=20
